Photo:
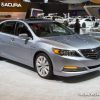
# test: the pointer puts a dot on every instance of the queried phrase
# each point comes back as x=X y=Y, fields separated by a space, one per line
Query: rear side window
x=0 y=27
x=8 y=27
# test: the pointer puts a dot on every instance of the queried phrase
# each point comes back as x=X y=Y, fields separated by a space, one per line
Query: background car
x=57 y=18
x=95 y=32
x=84 y=22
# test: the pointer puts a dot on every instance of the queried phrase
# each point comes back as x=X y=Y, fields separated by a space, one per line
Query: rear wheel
x=43 y=65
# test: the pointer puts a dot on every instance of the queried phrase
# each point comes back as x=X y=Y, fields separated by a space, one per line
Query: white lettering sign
x=10 y=4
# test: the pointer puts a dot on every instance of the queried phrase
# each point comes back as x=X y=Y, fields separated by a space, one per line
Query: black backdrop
x=55 y=8
x=42 y=0
x=51 y=7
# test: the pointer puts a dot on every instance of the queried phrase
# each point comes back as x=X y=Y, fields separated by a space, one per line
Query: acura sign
x=18 y=5
x=13 y=6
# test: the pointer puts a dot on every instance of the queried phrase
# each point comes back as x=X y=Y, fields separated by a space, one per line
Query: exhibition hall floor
x=19 y=82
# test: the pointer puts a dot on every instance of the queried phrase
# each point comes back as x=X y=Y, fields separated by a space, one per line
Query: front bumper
x=69 y=74
x=59 y=62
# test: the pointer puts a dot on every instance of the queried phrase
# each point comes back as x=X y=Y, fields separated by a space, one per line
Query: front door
x=23 y=47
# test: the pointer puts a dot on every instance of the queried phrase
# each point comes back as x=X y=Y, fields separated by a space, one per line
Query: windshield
x=46 y=29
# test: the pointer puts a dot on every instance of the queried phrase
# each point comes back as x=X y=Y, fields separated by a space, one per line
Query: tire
x=43 y=66
x=65 y=23
x=84 y=25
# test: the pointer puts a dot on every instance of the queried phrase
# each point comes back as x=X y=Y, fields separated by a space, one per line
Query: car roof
x=31 y=20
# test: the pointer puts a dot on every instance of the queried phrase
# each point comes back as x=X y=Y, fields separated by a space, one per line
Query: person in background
x=93 y=18
x=53 y=18
x=77 y=27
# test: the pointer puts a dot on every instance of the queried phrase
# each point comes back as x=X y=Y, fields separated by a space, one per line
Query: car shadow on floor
x=74 y=79
x=80 y=78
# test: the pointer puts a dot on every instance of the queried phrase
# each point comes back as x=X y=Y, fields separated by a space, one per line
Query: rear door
x=7 y=34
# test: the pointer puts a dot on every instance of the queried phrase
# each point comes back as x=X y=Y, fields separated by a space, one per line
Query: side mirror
x=23 y=36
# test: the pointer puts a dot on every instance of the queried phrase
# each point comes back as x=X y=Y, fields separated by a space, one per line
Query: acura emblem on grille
x=93 y=53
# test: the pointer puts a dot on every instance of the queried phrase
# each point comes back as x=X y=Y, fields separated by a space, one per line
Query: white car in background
x=84 y=22
x=95 y=32
x=96 y=29
x=57 y=18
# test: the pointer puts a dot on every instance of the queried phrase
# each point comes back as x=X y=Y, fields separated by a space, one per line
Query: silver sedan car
x=49 y=47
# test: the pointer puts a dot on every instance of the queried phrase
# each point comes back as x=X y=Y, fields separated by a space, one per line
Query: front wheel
x=43 y=65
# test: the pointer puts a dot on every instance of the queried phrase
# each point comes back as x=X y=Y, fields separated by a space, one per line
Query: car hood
x=77 y=41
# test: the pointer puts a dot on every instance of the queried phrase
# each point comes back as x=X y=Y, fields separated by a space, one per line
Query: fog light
x=73 y=68
x=70 y=67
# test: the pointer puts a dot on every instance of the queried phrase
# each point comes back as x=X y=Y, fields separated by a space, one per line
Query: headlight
x=65 y=52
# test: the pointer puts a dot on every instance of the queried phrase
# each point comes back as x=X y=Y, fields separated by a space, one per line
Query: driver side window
x=22 y=29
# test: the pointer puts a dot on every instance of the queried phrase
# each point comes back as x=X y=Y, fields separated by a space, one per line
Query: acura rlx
x=49 y=47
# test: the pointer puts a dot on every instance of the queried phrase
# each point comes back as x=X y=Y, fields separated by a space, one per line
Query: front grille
x=91 y=53
x=92 y=67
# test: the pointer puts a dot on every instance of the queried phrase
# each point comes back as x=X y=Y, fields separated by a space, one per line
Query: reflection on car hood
x=77 y=41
